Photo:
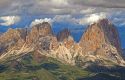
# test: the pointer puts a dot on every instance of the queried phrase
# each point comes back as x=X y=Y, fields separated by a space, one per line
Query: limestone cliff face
x=101 y=39
x=100 y=33
x=54 y=43
x=10 y=35
x=69 y=42
x=37 y=31
x=64 y=34
x=65 y=38
x=11 y=38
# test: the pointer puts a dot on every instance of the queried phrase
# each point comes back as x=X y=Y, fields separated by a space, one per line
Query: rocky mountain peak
x=13 y=38
x=64 y=34
x=102 y=38
x=100 y=32
x=103 y=21
x=43 y=28
x=11 y=34
x=39 y=30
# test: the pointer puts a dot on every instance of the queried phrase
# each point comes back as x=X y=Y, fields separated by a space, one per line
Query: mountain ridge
x=41 y=41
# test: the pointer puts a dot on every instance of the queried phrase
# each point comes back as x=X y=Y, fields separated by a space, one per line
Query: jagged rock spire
x=64 y=34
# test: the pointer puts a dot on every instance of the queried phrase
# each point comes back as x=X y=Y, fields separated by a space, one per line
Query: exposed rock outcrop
x=21 y=41
x=101 y=39
x=37 y=31
x=69 y=42
x=54 y=43
x=11 y=38
x=64 y=34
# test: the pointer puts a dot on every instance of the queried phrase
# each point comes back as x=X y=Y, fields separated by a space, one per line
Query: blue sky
x=72 y=14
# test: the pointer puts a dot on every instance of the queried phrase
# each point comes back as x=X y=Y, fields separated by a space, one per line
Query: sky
x=72 y=14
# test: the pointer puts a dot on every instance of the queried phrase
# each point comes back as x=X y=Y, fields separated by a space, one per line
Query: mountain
x=101 y=41
x=99 y=47
x=37 y=31
x=15 y=43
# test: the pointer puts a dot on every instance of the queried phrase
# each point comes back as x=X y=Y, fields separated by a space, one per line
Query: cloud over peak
x=87 y=19
x=95 y=17
x=91 y=18
x=38 y=21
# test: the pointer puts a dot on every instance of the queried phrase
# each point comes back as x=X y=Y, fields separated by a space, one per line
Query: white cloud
x=57 y=18
x=38 y=21
x=95 y=17
x=9 y=20
x=91 y=18
x=87 y=19
x=83 y=20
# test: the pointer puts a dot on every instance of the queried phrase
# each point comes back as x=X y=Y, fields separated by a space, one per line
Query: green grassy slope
x=27 y=68
x=47 y=69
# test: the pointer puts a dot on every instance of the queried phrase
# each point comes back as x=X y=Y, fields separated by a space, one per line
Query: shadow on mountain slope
x=105 y=73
